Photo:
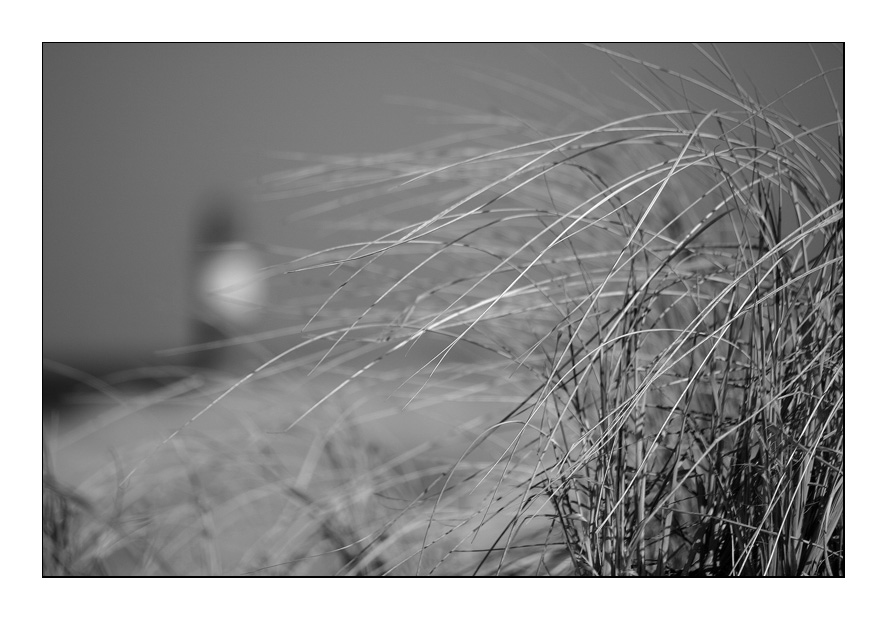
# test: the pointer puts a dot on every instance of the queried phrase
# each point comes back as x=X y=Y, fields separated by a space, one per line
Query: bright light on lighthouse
x=231 y=286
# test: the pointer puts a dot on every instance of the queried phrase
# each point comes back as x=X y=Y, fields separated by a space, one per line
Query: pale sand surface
x=86 y=435
x=102 y=440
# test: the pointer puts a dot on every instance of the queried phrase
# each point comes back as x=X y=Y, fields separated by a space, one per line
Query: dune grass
x=646 y=316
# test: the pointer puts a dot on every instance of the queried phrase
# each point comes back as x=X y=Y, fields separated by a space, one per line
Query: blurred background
x=154 y=156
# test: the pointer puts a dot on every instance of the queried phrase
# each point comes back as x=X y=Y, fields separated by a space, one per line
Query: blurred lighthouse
x=228 y=291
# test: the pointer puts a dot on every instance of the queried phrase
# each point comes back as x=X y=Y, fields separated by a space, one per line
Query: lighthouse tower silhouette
x=228 y=293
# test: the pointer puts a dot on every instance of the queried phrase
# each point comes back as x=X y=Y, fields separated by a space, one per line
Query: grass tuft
x=630 y=335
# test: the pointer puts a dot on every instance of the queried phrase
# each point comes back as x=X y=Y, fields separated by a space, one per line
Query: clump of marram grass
x=624 y=354
x=653 y=309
